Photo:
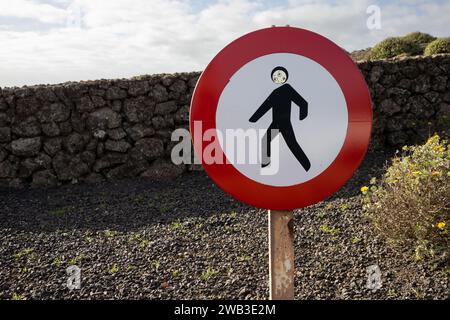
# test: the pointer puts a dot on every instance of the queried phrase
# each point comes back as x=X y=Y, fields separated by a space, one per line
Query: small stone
x=53 y=146
x=151 y=148
x=389 y=107
x=100 y=134
x=100 y=149
x=65 y=128
x=94 y=178
x=376 y=74
x=78 y=122
x=179 y=87
x=421 y=84
x=117 y=146
x=101 y=164
x=134 y=109
x=88 y=157
x=68 y=167
x=193 y=82
x=74 y=143
x=98 y=102
x=404 y=83
x=139 y=88
x=43 y=160
x=44 y=178
x=45 y=94
x=7 y=169
x=432 y=97
x=56 y=112
x=5 y=134
x=129 y=169
x=5 y=120
x=182 y=115
x=394 y=124
x=438 y=83
x=164 y=285
x=140 y=131
x=163 y=169
x=26 y=147
x=165 y=108
x=27 y=106
x=109 y=160
x=96 y=92
x=418 y=105
x=116 y=105
x=115 y=93
x=3 y=154
x=104 y=118
x=444 y=110
x=85 y=104
x=92 y=145
x=117 y=134
x=27 y=167
x=159 y=122
x=16 y=183
x=397 y=138
x=28 y=127
x=51 y=129
x=3 y=104
x=167 y=79
x=159 y=93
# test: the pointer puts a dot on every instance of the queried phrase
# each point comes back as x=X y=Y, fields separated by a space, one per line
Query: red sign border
x=337 y=62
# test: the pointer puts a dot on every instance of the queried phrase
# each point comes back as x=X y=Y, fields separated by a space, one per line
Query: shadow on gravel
x=127 y=205
x=373 y=165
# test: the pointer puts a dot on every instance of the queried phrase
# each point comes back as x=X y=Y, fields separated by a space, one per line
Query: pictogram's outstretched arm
x=266 y=105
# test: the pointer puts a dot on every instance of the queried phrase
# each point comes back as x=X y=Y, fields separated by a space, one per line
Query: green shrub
x=360 y=55
x=210 y=272
x=441 y=45
x=410 y=206
x=395 y=46
x=419 y=37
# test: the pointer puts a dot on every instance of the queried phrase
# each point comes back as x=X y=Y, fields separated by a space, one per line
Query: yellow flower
x=417 y=173
x=438 y=148
x=435 y=174
x=432 y=139
x=441 y=225
x=364 y=189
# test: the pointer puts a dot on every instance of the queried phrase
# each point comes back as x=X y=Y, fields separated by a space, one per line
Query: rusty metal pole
x=281 y=255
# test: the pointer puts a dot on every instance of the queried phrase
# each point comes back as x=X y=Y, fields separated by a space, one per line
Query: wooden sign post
x=281 y=255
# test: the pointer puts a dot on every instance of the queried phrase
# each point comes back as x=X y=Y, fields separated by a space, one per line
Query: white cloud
x=33 y=10
x=122 y=38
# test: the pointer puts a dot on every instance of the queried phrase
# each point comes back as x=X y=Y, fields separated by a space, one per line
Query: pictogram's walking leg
x=289 y=137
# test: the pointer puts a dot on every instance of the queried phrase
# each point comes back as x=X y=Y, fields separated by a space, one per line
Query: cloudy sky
x=51 y=41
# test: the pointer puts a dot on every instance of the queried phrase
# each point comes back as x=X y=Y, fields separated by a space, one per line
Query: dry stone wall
x=411 y=99
x=111 y=129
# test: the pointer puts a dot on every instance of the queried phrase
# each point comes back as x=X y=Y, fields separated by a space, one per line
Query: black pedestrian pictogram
x=280 y=102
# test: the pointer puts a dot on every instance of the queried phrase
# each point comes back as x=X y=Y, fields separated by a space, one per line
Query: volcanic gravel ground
x=186 y=239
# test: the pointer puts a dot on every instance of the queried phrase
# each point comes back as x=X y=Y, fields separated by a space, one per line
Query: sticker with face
x=279 y=77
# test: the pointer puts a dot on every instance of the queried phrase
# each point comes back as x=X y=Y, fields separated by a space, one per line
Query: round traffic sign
x=281 y=118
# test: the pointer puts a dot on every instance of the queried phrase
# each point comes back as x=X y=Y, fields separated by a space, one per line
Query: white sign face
x=261 y=96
